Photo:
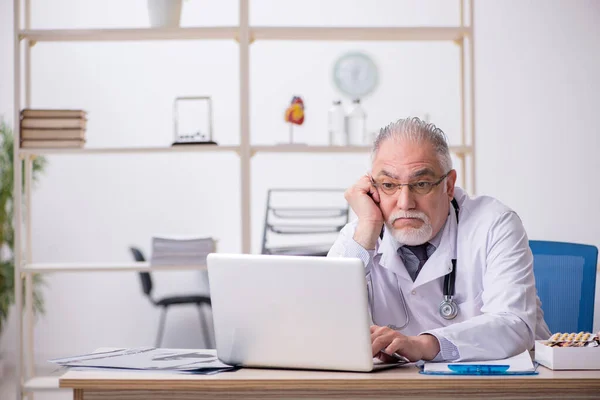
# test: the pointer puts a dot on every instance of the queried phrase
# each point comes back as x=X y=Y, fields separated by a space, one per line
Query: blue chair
x=565 y=277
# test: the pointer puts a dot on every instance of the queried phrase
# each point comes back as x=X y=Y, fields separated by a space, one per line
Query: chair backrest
x=565 y=277
x=145 y=277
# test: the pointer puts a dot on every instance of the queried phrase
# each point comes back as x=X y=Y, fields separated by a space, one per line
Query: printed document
x=148 y=358
x=519 y=363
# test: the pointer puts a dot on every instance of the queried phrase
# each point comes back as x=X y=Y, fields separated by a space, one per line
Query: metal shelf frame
x=25 y=38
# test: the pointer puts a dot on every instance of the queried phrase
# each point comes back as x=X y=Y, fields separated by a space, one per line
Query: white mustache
x=408 y=214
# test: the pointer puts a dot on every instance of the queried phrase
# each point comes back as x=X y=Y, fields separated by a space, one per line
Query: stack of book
x=53 y=128
x=181 y=251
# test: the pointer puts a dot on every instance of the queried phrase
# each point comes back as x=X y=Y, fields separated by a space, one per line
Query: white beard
x=410 y=236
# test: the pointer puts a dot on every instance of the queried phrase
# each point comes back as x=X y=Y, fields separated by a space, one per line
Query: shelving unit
x=333 y=149
x=112 y=35
x=44 y=268
x=245 y=35
x=200 y=148
x=256 y=33
x=130 y=150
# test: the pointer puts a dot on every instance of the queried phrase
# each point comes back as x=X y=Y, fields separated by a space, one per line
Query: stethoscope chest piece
x=448 y=308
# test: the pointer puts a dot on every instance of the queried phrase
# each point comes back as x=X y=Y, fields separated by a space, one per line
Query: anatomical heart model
x=294 y=114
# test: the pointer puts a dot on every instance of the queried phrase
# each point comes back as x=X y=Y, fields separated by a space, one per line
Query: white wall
x=536 y=135
x=537 y=108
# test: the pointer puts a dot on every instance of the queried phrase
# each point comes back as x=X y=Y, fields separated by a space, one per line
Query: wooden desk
x=263 y=384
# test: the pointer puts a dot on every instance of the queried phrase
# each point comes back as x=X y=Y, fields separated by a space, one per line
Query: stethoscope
x=448 y=308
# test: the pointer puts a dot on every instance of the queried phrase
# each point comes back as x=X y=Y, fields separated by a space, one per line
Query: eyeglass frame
x=411 y=186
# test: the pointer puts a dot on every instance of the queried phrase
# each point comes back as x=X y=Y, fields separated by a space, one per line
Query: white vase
x=164 y=13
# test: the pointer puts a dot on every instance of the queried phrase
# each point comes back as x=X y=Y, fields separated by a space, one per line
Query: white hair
x=416 y=130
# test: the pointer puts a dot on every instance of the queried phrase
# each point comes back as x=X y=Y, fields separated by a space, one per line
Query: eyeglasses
x=420 y=188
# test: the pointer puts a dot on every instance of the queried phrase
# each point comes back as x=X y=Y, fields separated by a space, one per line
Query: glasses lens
x=388 y=188
x=422 y=187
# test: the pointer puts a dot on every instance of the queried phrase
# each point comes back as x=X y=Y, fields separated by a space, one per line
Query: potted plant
x=7 y=265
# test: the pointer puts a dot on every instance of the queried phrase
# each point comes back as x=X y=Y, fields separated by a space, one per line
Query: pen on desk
x=481 y=369
x=396 y=356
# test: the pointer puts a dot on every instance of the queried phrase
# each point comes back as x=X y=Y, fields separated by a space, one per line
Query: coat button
x=413 y=292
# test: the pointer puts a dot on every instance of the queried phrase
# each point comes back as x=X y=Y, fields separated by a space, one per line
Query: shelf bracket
x=459 y=42
x=32 y=43
x=239 y=152
x=28 y=157
x=250 y=41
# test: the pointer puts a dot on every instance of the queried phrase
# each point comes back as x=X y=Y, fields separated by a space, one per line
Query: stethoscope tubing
x=448 y=308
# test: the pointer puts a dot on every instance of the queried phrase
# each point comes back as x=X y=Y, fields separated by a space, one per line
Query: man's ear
x=450 y=181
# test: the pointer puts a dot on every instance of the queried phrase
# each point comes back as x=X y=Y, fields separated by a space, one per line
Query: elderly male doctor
x=414 y=228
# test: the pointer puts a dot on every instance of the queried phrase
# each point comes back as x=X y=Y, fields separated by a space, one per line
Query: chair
x=565 y=277
x=198 y=300
x=292 y=215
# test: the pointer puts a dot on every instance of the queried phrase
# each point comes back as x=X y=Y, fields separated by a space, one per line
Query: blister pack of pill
x=580 y=339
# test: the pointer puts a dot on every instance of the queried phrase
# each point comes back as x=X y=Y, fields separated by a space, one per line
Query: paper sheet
x=519 y=363
x=148 y=358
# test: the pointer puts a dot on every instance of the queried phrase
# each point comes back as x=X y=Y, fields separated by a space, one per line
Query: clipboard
x=520 y=364
x=479 y=370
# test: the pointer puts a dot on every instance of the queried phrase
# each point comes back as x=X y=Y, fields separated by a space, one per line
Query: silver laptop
x=298 y=312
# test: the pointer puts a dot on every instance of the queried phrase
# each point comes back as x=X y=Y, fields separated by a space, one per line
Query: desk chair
x=198 y=300
x=293 y=215
x=565 y=277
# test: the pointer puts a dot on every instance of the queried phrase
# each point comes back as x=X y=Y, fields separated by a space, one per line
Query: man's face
x=411 y=217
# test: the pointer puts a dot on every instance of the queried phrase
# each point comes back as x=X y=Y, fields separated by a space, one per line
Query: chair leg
x=161 y=327
x=208 y=343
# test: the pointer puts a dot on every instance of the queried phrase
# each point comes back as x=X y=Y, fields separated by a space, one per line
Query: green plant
x=7 y=238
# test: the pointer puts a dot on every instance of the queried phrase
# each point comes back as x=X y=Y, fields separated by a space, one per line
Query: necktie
x=420 y=252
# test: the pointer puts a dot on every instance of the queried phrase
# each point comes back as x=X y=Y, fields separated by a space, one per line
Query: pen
x=478 y=368
x=396 y=356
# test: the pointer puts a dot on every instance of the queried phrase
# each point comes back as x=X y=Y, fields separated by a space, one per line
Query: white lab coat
x=499 y=311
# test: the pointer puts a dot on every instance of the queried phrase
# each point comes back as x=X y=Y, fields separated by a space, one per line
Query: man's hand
x=415 y=348
x=364 y=200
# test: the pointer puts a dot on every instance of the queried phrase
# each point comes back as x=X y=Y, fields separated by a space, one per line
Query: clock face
x=355 y=74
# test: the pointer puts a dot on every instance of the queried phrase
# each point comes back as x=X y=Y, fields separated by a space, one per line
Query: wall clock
x=355 y=74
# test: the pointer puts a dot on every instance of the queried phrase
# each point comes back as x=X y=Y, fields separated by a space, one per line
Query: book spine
x=53 y=123
x=40 y=113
